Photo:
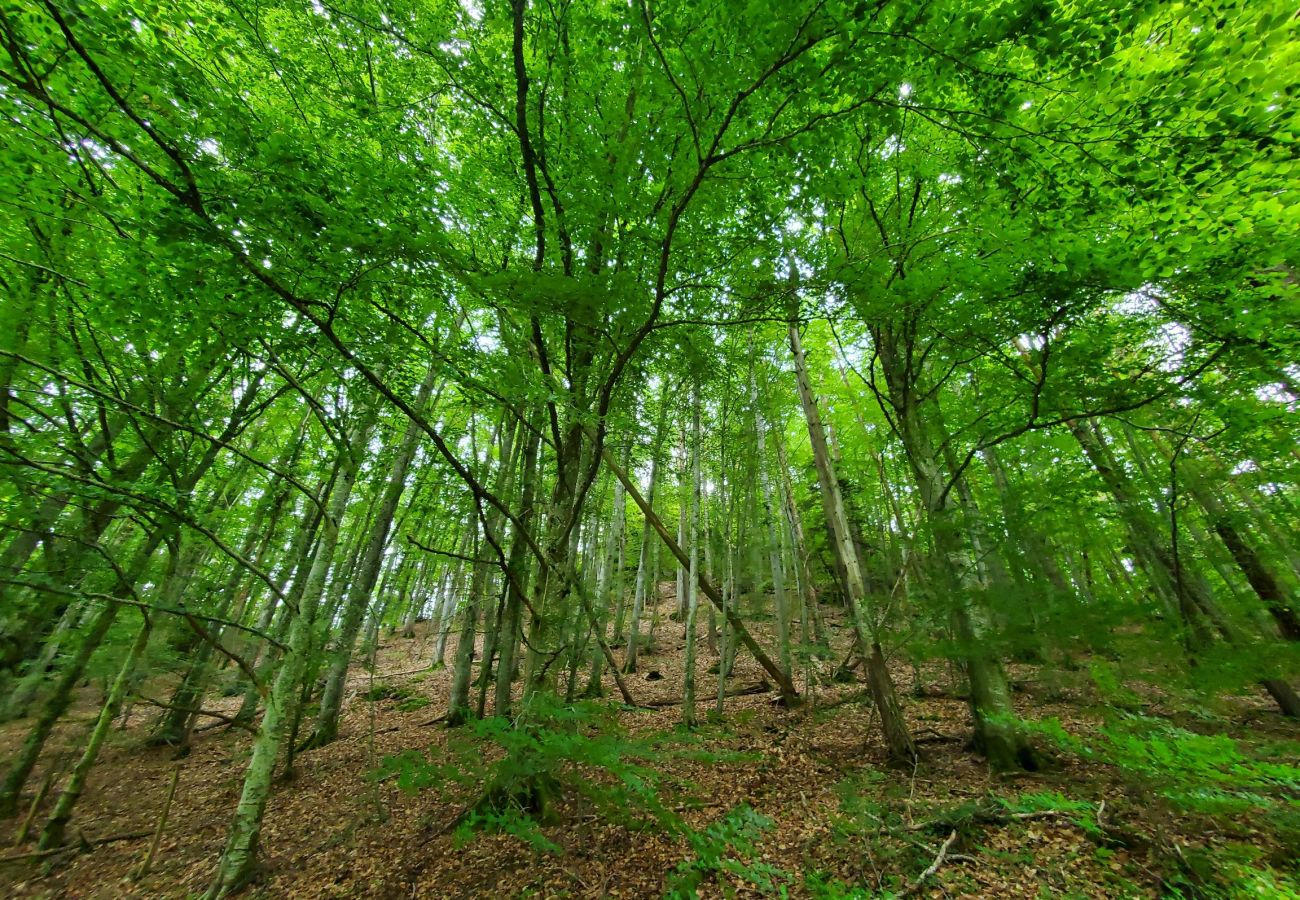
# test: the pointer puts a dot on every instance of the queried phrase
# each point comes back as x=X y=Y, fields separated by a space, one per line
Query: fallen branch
x=145 y=866
x=761 y=688
x=937 y=736
x=994 y=817
x=79 y=845
x=379 y=677
x=934 y=866
x=198 y=712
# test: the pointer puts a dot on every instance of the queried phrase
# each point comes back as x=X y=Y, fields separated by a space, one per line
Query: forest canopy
x=864 y=356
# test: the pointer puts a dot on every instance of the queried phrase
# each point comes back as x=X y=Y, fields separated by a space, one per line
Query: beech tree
x=976 y=326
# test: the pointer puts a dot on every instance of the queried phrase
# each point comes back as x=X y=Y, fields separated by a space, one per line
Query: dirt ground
x=332 y=831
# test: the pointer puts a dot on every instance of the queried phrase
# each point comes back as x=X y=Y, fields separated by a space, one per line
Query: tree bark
x=897 y=737
x=56 y=825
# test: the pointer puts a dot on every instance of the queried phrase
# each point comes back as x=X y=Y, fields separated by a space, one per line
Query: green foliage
x=1198 y=773
x=1043 y=801
x=396 y=693
x=824 y=887
x=556 y=752
x=1209 y=776
x=727 y=847
x=1110 y=687
x=411 y=704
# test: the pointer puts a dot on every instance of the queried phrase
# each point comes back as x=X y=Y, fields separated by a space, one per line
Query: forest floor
x=832 y=820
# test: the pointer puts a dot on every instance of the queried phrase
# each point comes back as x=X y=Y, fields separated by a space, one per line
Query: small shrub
x=555 y=751
x=411 y=704
x=384 y=691
x=727 y=847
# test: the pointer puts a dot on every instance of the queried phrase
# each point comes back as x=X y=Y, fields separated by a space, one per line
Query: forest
x=649 y=448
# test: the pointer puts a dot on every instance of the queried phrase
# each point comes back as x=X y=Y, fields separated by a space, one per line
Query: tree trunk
x=55 y=826
x=458 y=708
x=239 y=859
x=783 y=681
x=898 y=739
x=359 y=593
x=692 y=595
x=518 y=569
x=644 y=577
x=774 y=542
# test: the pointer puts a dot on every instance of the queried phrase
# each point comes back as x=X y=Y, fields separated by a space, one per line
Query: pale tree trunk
x=552 y=607
x=18 y=640
x=1040 y=557
x=726 y=640
x=517 y=569
x=584 y=620
x=20 y=633
x=608 y=584
x=620 y=563
x=123 y=585
x=1181 y=588
x=492 y=618
x=644 y=576
x=789 y=695
x=176 y=724
x=990 y=568
x=408 y=597
x=173 y=726
x=239 y=859
x=692 y=596
x=1259 y=575
x=491 y=647
x=458 y=708
x=706 y=538
x=898 y=740
x=362 y=587
x=683 y=486
x=810 y=615
x=774 y=541
x=454 y=587
x=458 y=711
x=53 y=708
x=1260 y=519
x=28 y=685
x=997 y=732
x=56 y=825
x=274 y=618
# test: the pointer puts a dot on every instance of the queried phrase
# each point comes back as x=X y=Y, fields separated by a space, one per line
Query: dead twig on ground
x=934 y=866
x=82 y=845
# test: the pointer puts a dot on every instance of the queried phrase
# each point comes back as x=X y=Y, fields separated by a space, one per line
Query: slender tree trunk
x=810 y=613
x=605 y=584
x=774 y=542
x=518 y=568
x=56 y=825
x=897 y=737
x=692 y=597
x=61 y=695
x=359 y=593
x=458 y=708
x=785 y=684
x=1262 y=580
x=644 y=577
x=274 y=617
x=681 y=575
x=53 y=708
x=239 y=859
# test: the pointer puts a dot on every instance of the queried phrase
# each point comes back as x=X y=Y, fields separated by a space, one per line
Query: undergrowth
x=1246 y=795
x=526 y=775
